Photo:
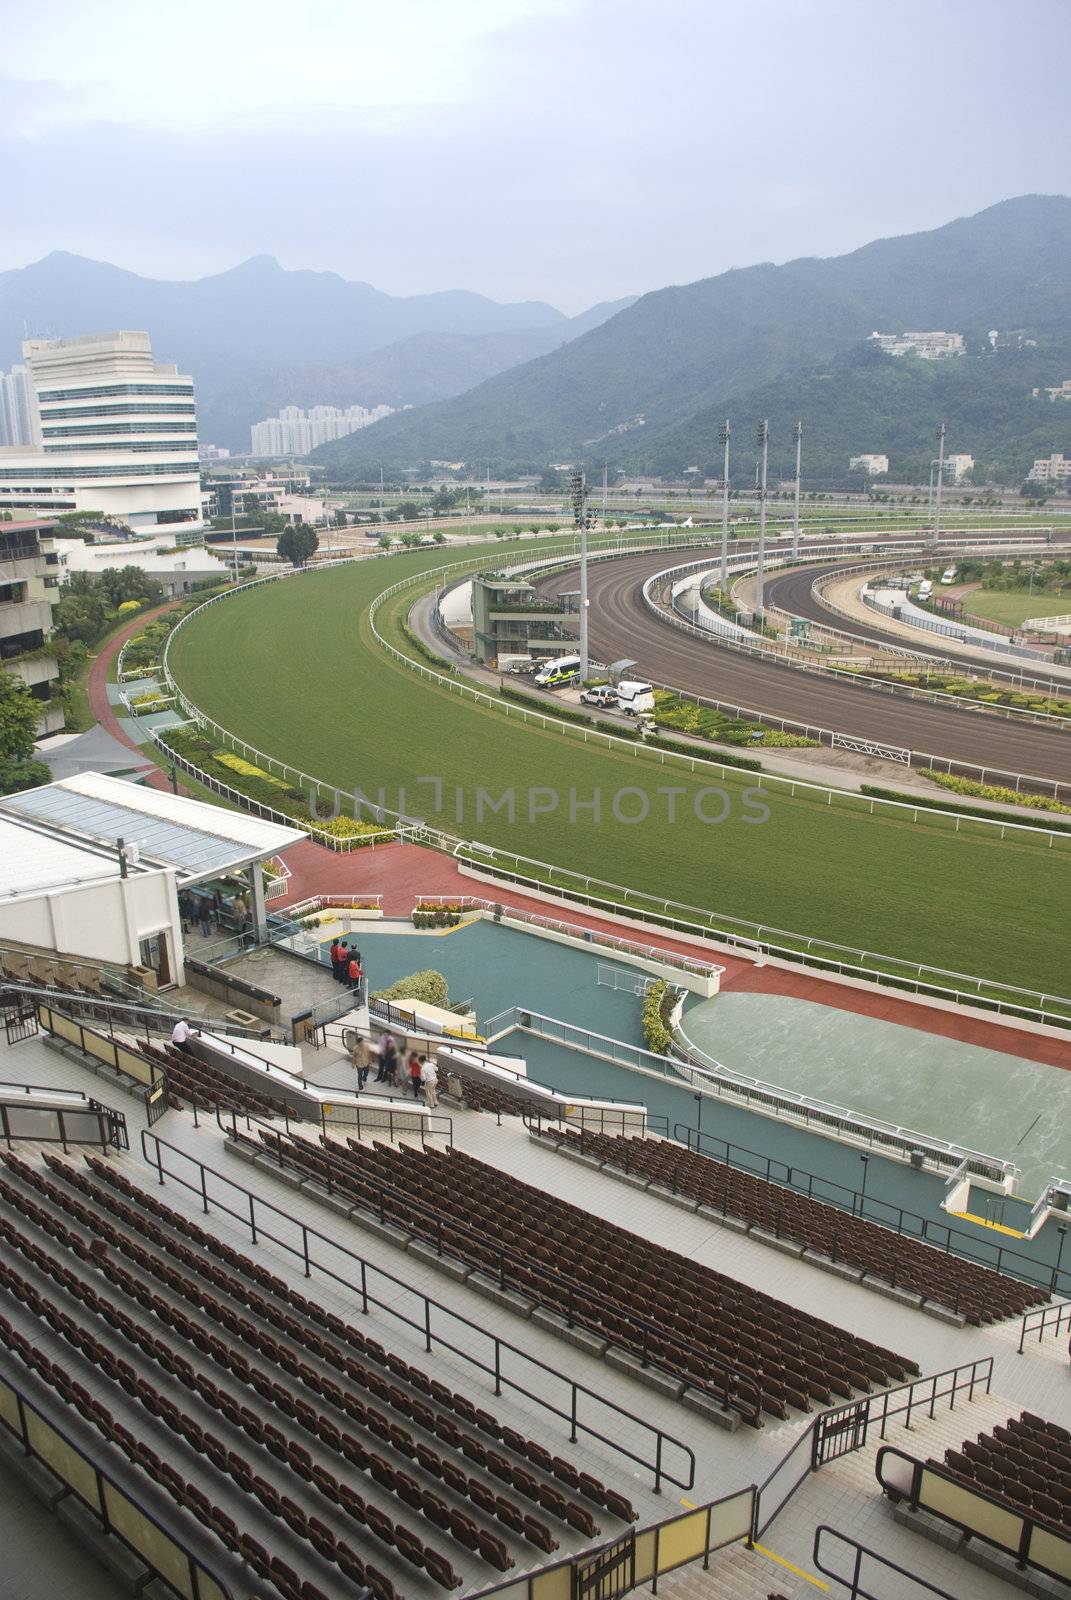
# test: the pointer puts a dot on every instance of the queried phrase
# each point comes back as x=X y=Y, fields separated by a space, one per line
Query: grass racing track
x=293 y=668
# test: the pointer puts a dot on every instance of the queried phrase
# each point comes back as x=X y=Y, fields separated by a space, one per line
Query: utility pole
x=580 y=518
x=940 y=481
x=725 y=435
x=604 y=494
x=234 y=537
x=797 y=436
x=487 y=491
x=764 y=442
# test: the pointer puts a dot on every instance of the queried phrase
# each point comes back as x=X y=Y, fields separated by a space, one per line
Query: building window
x=104 y=391
x=17 y=643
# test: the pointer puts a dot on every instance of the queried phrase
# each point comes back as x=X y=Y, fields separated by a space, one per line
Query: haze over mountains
x=648 y=388
x=259 y=337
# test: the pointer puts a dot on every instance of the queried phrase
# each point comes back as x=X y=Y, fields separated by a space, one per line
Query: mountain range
x=258 y=337
x=648 y=387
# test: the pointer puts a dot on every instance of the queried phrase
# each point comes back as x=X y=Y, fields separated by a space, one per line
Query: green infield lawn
x=1013 y=607
x=294 y=669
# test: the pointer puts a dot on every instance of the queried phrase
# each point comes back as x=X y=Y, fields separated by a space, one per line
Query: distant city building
x=875 y=466
x=930 y=346
x=1051 y=469
x=111 y=430
x=212 y=452
x=1062 y=391
x=957 y=467
x=294 y=432
x=16 y=426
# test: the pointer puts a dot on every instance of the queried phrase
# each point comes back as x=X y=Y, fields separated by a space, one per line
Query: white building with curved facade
x=113 y=431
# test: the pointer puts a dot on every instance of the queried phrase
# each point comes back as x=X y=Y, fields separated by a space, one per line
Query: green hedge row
x=716 y=757
x=1029 y=819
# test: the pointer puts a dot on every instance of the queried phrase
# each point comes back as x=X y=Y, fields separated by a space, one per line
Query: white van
x=948 y=575
x=925 y=590
x=635 y=699
x=557 y=674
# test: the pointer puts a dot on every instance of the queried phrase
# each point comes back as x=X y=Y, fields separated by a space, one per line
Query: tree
x=340 y=517
x=129 y=583
x=439 y=536
x=80 y=615
x=297 y=544
x=19 y=713
x=385 y=541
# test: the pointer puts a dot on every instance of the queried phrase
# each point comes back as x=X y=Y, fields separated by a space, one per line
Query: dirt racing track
x=622 y=626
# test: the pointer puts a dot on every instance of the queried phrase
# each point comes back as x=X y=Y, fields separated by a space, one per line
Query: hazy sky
x=567 y=150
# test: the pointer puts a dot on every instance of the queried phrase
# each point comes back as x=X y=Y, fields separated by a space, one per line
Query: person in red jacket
x=354 y=971
x=334 y=955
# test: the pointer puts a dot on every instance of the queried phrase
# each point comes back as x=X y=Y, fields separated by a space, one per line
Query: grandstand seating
x=87 y=1248
x=752 y=1352
x=207 y=1086
x=978 y=1293
x=1026 y=1465
x=499 y=1099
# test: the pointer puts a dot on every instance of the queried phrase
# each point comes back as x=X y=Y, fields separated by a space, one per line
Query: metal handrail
x=1029 y=1522
x=1043 y=1320
x=153 y=1151
x=854 y=1583
x=734 y=1389
x=195 y=1563
x=859 y=1202
x=872 y=1408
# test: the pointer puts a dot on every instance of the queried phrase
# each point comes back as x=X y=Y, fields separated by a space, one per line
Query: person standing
x=384 y=1046
x=181 y=1035
x=390 y=1063
x=204 y=915
x=413 y=1066
x=332 y=955
x=429 y=1077
x=354 y=972
x=362 y=1061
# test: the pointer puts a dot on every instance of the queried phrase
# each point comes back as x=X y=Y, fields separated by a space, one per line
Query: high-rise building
x=112 y=430
x=15 y=425
x=957 y=467
x=295 y=432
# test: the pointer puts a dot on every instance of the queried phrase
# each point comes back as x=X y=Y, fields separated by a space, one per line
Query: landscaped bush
x=707 y=722
x=348 y=828
x=246 y=769
x=931 y=803
x=429 y=914
x=655 y=1007
x=429 y=986
x=565 y=713
x=964 y=689
x=720 y=757
x=991 y=791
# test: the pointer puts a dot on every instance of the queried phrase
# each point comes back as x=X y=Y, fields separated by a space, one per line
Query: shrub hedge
x=429 y=986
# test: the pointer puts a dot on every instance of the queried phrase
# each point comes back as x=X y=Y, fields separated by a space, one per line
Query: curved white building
x=113 y=431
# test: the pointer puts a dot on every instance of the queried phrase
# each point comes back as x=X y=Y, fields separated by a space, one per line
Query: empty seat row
x=747 y=1348
x=1025 y=1464
x=328 y=1337
x=980 y=1294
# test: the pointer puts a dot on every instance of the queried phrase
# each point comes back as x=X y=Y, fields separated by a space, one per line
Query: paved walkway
x=97 y=688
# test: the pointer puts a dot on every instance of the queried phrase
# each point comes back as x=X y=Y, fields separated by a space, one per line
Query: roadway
x=621 y=626
x=791 y=592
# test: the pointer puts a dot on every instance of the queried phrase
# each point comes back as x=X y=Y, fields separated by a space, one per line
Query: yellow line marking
x=791 y=1567
x=442 y=932
x=689 y=1503
x=984 y=1222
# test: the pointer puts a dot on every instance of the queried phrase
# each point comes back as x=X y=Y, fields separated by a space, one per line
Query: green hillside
x=645 y=387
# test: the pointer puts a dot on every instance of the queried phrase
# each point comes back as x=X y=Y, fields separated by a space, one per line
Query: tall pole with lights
x=797 y=437
x=940 y=481
x=726 y=433
x=580 y=518
x=764 y=444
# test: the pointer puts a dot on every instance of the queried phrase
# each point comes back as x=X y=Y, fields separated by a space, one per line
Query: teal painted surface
x=501 y=967
x=891 y=1182
x=999 y=1104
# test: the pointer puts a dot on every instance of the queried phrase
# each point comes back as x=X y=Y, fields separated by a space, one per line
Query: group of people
x=209 y=911
x=416 y=1071
x=346 y=963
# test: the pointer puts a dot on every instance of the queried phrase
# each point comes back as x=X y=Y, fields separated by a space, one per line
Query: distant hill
x=647 y=388
x=237 y=329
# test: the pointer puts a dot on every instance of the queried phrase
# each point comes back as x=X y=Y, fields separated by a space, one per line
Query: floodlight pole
x=940 y=481
x=764 y=441
x=797 y=435
x=726 y=434
x=580 y=517
x=234 y=537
